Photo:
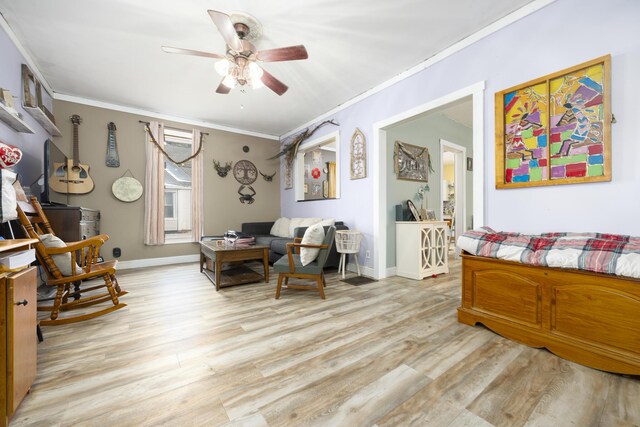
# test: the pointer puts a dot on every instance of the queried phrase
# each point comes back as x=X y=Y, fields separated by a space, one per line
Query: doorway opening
x=382 y=158
x=454 y=204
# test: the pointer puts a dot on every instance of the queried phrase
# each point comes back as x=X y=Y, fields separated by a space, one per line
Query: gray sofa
x=278 y=245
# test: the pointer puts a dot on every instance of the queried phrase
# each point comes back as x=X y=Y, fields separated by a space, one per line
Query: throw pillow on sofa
x=62 y=261
x=314 y=235
x=281 y=227
x=301 y=222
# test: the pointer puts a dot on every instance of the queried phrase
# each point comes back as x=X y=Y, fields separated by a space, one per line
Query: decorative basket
x=348 y=241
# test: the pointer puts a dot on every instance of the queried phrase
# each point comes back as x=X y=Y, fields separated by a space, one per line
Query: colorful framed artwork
x=358 y=152
x=411 y=162
x=555 y=129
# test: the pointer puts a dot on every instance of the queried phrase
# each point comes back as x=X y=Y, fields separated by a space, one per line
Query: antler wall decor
x=222 y=170
x=268 y=178
x=290 y=150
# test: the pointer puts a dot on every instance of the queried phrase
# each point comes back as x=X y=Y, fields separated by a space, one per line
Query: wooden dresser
x=73 y=223
x=18 y=340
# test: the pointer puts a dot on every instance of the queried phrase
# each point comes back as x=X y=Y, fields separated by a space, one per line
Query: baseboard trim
x=155 y=262
x=391 y=271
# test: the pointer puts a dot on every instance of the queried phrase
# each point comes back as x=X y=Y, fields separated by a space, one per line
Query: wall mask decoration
x=268 y=178
x=246 y=194
x=555 y=129
x=358 y=153
x=222 y=170
x=245 y=172
x=411 y=162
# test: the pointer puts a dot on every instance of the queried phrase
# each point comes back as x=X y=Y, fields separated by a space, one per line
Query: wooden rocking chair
x=83 y=255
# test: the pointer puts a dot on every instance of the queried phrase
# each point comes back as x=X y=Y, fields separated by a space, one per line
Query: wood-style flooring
x=389 y=353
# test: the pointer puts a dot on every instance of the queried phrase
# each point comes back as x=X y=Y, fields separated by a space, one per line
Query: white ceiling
x=109 y=51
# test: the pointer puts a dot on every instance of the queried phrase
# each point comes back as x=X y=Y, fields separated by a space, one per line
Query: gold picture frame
x=555 y=129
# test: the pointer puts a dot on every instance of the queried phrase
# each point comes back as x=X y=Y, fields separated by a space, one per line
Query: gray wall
x=123 y=222
x=425 y=132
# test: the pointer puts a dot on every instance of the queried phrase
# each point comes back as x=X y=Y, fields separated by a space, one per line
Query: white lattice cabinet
x=421 y=249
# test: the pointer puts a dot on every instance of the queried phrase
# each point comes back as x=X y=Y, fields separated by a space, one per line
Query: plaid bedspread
x=597 y=252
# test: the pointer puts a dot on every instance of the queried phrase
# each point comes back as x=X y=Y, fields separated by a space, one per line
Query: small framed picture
x=431 y=215
x=306 y=188
x=469 y=164
x=414 y=211
x=220 y=243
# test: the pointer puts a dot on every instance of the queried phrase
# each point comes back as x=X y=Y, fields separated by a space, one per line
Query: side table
x=347 y=242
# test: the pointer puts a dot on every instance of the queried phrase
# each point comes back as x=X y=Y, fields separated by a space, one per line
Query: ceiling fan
x=240 y=64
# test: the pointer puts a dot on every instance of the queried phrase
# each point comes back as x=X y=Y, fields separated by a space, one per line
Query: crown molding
x=146 y=113
x=505 y=21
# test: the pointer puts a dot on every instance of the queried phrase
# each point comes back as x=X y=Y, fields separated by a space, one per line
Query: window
x=177 y=186
x=169 y=205
x=317 y=174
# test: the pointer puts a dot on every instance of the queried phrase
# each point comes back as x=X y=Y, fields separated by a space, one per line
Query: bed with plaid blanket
x=597 y=252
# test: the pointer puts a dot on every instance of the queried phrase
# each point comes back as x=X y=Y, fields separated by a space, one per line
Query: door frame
x=460 y=156
x=379 y=169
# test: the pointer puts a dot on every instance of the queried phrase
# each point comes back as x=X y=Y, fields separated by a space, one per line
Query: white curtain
x=154 y=188
x=197 y=190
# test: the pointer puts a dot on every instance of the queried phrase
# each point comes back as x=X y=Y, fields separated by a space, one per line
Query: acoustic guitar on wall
x=72 y=177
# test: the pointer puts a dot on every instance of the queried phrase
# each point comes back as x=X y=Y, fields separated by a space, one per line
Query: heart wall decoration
x=9 y=155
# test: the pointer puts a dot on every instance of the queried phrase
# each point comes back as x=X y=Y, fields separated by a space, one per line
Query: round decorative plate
x=127 y=189
x=245 y=172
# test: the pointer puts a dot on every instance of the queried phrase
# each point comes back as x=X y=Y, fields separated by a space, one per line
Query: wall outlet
x=367 y=254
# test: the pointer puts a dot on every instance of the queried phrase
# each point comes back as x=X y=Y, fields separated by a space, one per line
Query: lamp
x=222 y=67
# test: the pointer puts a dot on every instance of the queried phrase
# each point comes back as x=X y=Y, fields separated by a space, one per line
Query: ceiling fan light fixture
x=256 y=83
x=229 y=82
x=222 y=67
x=255 y=72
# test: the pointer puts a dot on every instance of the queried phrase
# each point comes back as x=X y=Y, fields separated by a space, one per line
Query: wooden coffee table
x=237 y=275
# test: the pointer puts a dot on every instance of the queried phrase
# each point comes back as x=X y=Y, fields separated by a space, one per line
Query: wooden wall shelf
x=14 y=122
x=45 y=121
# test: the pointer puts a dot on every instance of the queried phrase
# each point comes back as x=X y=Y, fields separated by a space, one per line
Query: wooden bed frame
x=588 y=318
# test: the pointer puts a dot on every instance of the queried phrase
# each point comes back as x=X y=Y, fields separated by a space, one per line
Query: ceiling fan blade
x=289 y=53
x=272 y=83
x=223 y=89
x=181 y=51
x=225 y=26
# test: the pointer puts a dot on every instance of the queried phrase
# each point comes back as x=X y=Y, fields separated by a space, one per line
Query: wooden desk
x=18 y=323
x=239 y=275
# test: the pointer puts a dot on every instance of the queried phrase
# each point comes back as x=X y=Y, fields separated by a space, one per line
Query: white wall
x=560 y=35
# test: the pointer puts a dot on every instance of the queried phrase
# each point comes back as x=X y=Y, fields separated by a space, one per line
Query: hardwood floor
x=389 y=353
